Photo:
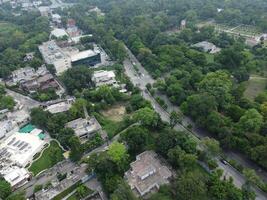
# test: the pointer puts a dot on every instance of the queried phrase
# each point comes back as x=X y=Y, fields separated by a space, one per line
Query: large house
x=103 y=77
x=207 y=47
x=147 y=174
x=84 y=128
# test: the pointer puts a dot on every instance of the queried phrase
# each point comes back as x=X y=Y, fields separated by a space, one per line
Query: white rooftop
x=58 y=32
x=59 y=107
x=15 y=175
x=21 y=147
x=82 y=55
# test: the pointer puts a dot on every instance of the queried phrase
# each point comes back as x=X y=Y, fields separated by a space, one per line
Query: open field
x=254 y=86
x=50 y=156
x=115 y=113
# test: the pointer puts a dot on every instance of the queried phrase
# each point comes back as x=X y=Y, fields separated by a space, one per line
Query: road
x=140 y=80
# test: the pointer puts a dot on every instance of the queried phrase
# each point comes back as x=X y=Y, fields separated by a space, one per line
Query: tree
x=219 y=85
x=211 y=147
x=190 y=186
x=5 y=188
x=82 y=190
x=118 y=154
x=199 y=105
x=147 y=117
x=179 y=158
x=76 y=149
x=223 y=189
x=123 y=192
x=16 y=196
x=77 y=78
x=7 y=102
x=251 y=177
x=137 y=139
x=39 y=117
x=251 y=121
x=175 y=118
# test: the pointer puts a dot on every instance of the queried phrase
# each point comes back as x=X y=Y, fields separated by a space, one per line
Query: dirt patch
x=115 y=113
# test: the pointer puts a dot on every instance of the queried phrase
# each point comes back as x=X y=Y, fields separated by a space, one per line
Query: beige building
x=147 y=174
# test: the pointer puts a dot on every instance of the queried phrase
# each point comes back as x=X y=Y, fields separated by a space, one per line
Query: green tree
x=118 y=154
x=219 y=85
x=175 y=118
x=5 y=188
x=251 y=121
x=137 y=138
x=190 y=186
x=82 y=190
x=179 y=158
x=76 y=149
x=147 y=117
x=123 y=192
x=39 y=117
x=211 y=147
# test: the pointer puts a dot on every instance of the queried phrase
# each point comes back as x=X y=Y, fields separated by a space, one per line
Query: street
x=141 y=81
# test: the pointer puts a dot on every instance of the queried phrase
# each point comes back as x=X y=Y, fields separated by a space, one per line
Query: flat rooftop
x=21 y=147
x=83 y=55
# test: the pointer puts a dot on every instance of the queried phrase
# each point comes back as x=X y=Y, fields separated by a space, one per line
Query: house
x=59 y=33
x=56 y=18
x=207 y=47
x=42 y=82
x=84 y=128
x=103 y=77
x=147 y=174
x=61 y=106
x=16 y=176
x=44 y=10
x=22 y=74
x=72 y=29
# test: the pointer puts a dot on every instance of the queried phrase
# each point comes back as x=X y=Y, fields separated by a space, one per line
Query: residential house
x=147 y=174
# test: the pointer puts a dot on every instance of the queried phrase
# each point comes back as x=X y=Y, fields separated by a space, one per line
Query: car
x=224 y=161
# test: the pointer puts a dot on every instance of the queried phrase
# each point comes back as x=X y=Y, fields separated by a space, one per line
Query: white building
x=59 y=33
x=44 y=10
x=20 y=148
x=207 y=47
x=103 y=77
x=6 y=126
x=53 y=54
x=56 y=18
x=16 y=176
x=60 y=106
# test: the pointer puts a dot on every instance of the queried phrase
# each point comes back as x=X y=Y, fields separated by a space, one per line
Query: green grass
x=254 y=86
x=111 y=127
x=45 y=162
x=209 y=57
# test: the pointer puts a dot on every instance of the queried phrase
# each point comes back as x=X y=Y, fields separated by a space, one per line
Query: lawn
x=209 y=57
x=254 y=86
x=52 y=155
